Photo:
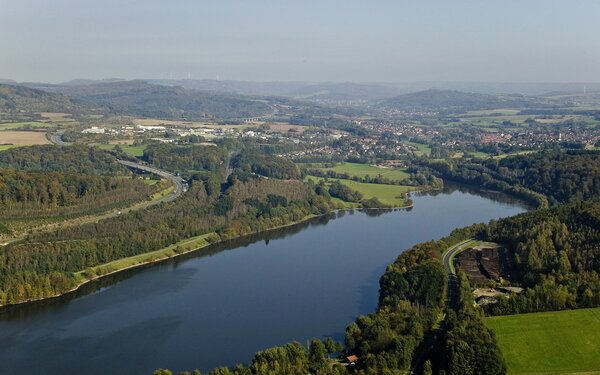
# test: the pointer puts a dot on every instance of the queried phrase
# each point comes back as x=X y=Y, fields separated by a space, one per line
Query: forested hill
x=555 y=254
x=18 y=98
x=139 y=98
x=80 y=159
x=560 y=176
x=455 y=101
x=51 y=262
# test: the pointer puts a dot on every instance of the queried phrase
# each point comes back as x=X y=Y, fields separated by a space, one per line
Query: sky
x=302 y=40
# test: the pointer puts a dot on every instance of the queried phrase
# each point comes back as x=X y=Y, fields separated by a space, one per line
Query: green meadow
x=388 y=194
x=128 y=149
x=362 y=170
x=558 y=342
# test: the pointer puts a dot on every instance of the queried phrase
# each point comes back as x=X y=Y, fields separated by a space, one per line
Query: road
x=180 y=186
x=56 y=138
x=432 y=341
x=178 y=181
x=451 y=253
x=453 y=287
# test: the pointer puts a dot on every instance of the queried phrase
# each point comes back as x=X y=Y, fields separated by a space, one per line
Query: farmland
x=550 y=342
x=362 y=170
x=22 y=138
x=392 y=195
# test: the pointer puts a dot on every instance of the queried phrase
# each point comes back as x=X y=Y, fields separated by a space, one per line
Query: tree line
x=46 y=263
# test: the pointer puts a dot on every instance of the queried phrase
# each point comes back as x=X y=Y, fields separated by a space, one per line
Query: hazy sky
x=316 y=40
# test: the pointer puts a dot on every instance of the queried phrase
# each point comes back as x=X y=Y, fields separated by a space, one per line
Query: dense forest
x=15 y=98
x=50 y=158
x=186 y=158
x=35 y=194
x=468 y=346
x=555 y=255
x=253 y=161
x=543 y=178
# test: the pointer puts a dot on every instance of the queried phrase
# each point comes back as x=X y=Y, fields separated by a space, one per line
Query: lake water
x=220 y=305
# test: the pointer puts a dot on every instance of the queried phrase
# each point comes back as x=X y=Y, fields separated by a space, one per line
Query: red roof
x=352 y=358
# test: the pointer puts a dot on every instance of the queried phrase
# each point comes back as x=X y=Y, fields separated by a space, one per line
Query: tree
x=316 y=355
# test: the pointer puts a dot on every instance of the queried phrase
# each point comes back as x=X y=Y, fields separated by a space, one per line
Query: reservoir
x=218 y=306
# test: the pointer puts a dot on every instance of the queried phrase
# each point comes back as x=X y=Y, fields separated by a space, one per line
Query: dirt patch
x=56 y=116
x=481 y=263
x=284 y=128
x=23 y=138
x=467 y=261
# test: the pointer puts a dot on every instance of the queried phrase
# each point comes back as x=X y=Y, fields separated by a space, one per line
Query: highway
x=56 y=138
x=178 y=181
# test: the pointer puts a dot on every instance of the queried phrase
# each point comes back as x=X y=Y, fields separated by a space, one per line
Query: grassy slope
x=362 y=170
x=550 y=342
x=180 y=247
x=388 y=194
x=131 y=150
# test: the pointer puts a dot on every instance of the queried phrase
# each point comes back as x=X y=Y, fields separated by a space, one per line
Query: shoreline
x=166 y=255
x=162 y=257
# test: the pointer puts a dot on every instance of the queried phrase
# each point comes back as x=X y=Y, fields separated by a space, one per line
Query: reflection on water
x=219 y=305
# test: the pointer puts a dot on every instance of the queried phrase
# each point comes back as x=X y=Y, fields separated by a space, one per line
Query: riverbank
x=186 y=246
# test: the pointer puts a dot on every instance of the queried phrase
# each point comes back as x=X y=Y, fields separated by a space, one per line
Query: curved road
x=432 y=340
x=56 y=138
x=451 y=253
x=180 y=186
x=448 y=259
x=178 y=181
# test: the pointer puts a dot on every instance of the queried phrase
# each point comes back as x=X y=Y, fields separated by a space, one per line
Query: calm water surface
x=220 y=305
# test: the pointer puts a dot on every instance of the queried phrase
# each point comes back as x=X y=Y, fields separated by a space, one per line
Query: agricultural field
x=388 y=194
x=22 y=138
x=362 y=170
x=284 y=128
x=57 y=117
x=559 y=342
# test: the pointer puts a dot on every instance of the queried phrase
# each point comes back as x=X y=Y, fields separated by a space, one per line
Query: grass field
x=17 y=125
x=167 y=252
x=130 y=150
x=388 y=194
x=362 y=170
x=422 y=150
x=549 y=343
x=6 y=147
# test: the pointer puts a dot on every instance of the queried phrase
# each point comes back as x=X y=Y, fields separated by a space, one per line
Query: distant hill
x=312 y=91
x=15 y=98
x=140 y=98
x=456 y=101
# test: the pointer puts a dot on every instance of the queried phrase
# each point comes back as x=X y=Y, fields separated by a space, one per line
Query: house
x=351 y=360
